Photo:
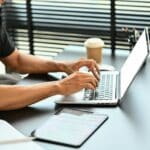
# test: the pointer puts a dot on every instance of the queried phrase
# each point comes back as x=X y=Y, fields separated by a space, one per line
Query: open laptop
x=113 y=84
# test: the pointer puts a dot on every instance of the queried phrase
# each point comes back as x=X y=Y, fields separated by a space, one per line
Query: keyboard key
x=103 y=91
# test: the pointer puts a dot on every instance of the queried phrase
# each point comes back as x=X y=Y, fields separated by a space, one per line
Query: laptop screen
x=134 y=62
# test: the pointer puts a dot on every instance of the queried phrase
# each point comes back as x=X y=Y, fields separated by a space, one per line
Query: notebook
x=70 y=127
x=8 y=133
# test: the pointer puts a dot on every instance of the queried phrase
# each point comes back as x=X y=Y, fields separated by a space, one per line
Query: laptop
x=113 y=84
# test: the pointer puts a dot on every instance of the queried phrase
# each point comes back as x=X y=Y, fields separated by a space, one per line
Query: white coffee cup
x=94 y=48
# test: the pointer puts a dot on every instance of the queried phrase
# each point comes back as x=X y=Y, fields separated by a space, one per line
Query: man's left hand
x=74 y=66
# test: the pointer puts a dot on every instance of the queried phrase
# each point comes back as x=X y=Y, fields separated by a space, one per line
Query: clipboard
x=70 y=127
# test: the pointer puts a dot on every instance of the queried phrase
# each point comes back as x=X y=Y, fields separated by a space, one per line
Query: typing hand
x=74 y=66
x=76 y=82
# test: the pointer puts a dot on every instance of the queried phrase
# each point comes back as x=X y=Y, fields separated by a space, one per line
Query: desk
x=128 y=126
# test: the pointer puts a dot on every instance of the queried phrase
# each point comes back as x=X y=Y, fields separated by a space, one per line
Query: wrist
x=58 y=87
x=61 y=66
x=54 y=88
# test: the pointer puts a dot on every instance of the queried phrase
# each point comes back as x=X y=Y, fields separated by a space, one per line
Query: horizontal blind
x=16 y=22
x=58 y=23
x=130 y=14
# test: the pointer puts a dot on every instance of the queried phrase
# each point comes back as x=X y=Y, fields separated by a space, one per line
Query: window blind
x=130 y=14
x=57 y=23
x=15 y=18
x=46 y=27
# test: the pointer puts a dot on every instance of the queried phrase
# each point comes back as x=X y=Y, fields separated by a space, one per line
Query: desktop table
x=128 y=126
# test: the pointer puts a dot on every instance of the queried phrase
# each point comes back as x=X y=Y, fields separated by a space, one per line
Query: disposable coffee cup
x=94 y=48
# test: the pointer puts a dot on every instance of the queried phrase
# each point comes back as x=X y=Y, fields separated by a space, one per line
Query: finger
x=97 y=68
x=68 y=69
x=89 y=86
x=90 y=76
x=85 y=62
x=94 y=82
x=90 y=63
x=93 y=66
x=87 y=77
x=95 y=73
x=91 y=80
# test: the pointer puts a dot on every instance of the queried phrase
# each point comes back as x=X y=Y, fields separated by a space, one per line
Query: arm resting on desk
x=17 y=96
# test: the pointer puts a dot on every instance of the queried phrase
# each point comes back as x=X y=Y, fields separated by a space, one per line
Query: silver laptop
x=113 y=84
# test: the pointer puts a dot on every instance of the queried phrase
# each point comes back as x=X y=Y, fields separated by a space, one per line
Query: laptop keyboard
x=103 y=91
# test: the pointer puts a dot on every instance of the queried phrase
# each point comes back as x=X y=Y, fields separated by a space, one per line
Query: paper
x=7 y=132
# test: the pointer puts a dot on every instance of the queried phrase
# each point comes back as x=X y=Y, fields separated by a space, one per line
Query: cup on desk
x=94 y=48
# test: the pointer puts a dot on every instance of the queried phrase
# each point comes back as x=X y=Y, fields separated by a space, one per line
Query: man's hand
x=71 y=67
x=76 y=82
x=2 y=1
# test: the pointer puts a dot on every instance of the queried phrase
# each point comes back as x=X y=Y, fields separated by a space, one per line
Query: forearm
x=16 y=97
x=34 y=64
x=24 y=63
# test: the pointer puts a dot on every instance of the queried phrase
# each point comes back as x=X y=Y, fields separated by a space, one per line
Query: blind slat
x=58 y=23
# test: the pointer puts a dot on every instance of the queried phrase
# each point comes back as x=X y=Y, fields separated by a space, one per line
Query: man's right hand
x=76 y=82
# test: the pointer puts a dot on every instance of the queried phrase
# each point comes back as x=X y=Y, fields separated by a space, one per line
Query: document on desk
x=70 y=127
x=12 y=139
